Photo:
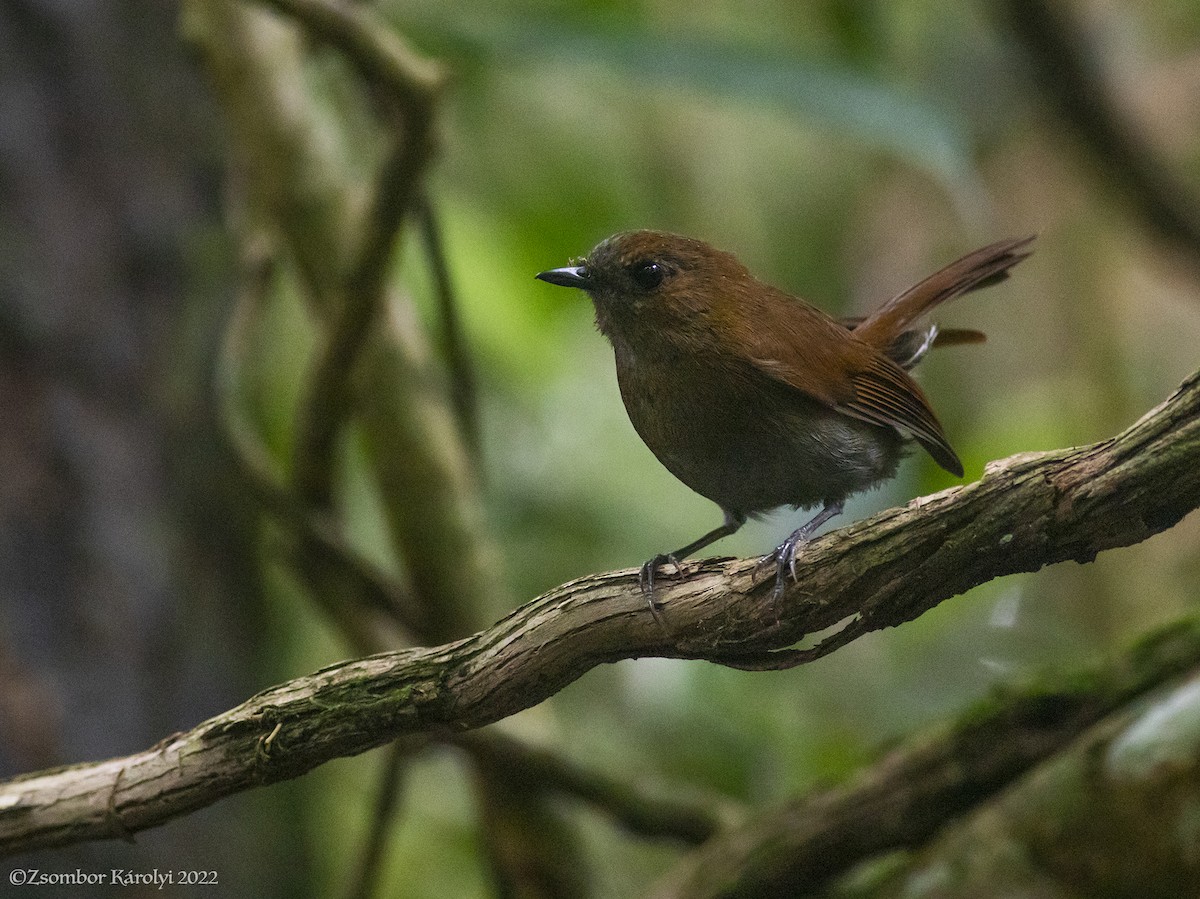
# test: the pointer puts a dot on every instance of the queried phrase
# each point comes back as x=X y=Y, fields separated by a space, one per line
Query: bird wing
x=884 y=394
x=804 y=348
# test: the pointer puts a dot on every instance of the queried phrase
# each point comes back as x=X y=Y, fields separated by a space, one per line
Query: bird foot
x=784 y=555
x=646 y=580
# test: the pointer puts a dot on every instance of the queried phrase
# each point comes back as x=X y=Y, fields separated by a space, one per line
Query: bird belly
x=751 y=447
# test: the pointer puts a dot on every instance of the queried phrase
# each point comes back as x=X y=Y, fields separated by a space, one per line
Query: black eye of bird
x=647 y=274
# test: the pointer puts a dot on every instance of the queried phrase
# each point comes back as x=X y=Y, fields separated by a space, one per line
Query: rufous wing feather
x=884 y=394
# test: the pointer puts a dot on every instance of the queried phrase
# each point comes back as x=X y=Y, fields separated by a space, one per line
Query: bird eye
x=647 y=274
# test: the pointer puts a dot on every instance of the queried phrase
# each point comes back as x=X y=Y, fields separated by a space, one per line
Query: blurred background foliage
x=842 y=149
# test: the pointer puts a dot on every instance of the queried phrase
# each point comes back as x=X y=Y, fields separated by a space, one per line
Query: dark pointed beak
x=572 y=276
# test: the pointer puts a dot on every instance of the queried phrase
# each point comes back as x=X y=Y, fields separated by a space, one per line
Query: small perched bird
x=756 y=399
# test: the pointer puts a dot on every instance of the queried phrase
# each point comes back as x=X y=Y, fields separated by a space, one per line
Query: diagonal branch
x=1026 y=512
x=326 y=402
x=1070 y=74
x=908 y=795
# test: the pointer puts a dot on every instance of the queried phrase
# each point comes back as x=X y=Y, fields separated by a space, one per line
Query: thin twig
x=455 y=350
x=639 y=812
x=327 y=402
x=373 y=47
x=364 y=883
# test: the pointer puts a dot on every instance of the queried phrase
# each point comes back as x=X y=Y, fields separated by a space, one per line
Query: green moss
x=1149 y=661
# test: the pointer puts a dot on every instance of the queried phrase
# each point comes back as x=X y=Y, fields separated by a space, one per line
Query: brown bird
x=756 y=399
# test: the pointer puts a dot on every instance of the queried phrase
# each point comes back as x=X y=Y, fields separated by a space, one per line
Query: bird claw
x=784 y=555
x=646 y=581
x=767 y=561
x=785 y=561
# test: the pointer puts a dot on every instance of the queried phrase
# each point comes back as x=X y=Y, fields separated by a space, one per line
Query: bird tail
x=982 y=268
x=909 y=347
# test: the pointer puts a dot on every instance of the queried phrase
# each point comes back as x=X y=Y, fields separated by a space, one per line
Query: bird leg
x=784 y=555
x=733 y=521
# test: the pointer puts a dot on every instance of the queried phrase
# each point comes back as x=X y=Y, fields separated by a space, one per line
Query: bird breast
x=743 y=440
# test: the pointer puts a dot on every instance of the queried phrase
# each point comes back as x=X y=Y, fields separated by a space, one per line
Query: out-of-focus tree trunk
x=118 y=528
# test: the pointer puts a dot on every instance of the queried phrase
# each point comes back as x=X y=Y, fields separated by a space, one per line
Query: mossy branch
x=1026 y=512
x=906 y=797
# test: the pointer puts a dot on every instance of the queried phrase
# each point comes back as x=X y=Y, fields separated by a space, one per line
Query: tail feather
x=903 y=347
x=982 y=268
